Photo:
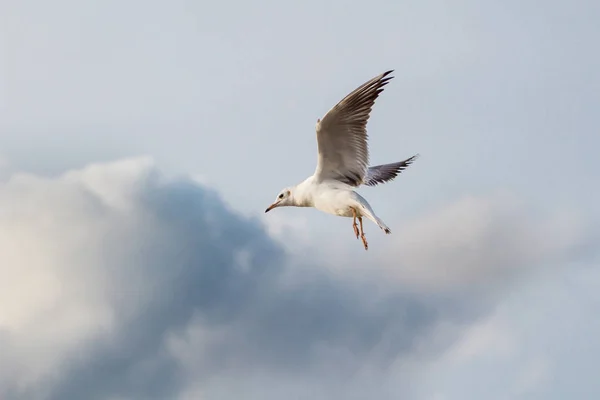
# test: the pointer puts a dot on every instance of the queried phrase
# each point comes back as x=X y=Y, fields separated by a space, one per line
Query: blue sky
x=140 y=143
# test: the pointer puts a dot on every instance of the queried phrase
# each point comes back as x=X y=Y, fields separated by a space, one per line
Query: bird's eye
x=281 y=196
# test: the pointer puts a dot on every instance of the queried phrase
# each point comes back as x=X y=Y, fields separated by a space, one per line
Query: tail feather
x=379 y=223
x=386 y=172
x=368 y=212
x=383 y=226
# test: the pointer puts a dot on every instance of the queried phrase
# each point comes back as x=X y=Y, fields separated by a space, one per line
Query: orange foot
x=364 y=240
x=355 y=226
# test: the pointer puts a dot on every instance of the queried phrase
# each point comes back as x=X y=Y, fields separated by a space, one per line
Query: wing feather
x=342 y=134
x=386 y=172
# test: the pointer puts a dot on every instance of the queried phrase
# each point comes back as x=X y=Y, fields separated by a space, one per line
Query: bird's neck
x=302 y=194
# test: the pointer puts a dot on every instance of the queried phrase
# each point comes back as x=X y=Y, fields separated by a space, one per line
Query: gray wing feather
x=342 y=134
x=386 y=172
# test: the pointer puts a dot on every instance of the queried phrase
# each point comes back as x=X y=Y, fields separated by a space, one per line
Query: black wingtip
x=413 y=158
x=384 y=79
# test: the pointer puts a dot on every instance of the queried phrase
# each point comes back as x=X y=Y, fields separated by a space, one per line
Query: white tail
x=382 y=225
x=368 y=212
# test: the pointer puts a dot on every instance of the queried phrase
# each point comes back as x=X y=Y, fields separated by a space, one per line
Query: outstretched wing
x=342 y=134
x=386 y=172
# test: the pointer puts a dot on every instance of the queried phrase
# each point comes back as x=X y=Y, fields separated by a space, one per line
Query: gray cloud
x=119 y=283
x=157 y=255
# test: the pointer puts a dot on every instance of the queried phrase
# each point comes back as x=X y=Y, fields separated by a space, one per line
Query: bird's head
x=283 y=199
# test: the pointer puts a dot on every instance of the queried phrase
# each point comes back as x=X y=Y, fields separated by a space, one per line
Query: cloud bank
x=118 y=283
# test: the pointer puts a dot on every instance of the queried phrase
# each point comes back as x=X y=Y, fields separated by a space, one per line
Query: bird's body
x=343 y=162
x=334 y=197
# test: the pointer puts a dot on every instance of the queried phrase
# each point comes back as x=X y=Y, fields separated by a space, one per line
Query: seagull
x=343 y=162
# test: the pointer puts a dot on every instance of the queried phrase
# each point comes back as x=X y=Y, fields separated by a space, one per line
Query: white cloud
x=533 y=375
x=118 y=283
x=480 y=241
x=112 y=260
x=490 y=337
x=4 y=167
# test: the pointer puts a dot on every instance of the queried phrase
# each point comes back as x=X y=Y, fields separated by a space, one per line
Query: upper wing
x=342 y=134
x=386 y=172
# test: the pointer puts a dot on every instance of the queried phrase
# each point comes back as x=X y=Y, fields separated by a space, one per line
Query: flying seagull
x=343 y=162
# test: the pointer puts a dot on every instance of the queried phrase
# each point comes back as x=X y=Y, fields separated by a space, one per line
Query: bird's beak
x=272 y=206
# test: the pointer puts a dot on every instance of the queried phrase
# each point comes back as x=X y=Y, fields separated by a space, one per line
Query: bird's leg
x=362 y=234
x=354 y=222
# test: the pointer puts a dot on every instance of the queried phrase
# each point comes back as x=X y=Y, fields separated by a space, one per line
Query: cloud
x=4 y=166
x=489 y=337
x=481 y=241
x=119 y=283
x=533 y=375
x=89 y=260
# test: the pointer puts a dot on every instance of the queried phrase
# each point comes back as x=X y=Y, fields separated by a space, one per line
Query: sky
x=141 y=141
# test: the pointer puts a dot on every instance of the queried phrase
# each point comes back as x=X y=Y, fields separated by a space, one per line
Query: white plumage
x=343 y=161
